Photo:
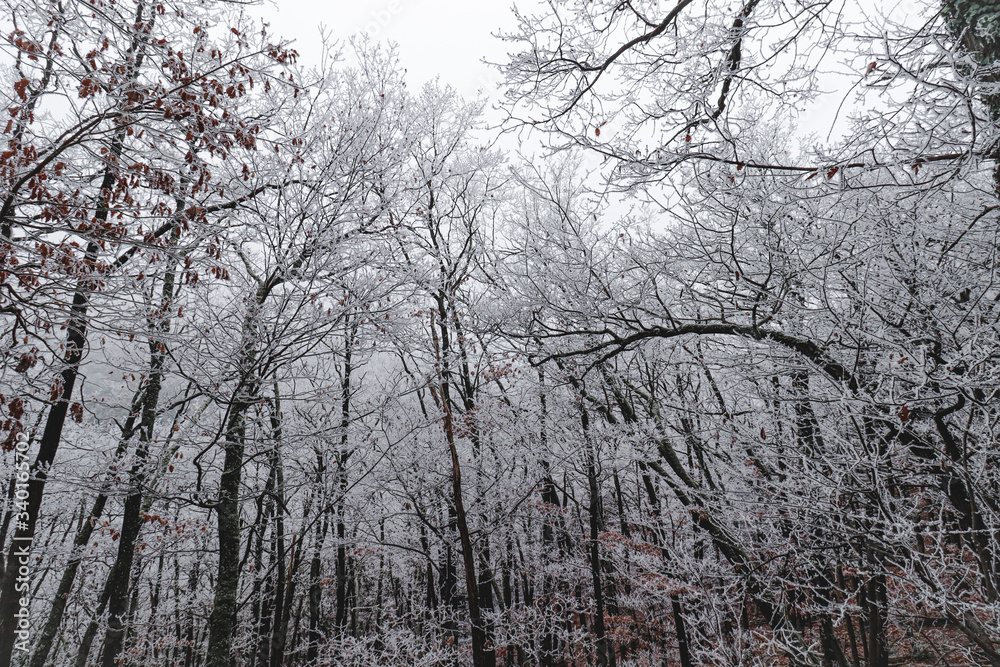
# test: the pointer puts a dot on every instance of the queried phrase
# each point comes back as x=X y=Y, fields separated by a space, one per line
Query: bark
x=550 y=646
x=315 y=600
x=344 y=454
x=467 y=392
x=222 y=621
x=189 y=632
x=285 y=593
x=483 y=654
x=315 y=565
x=83 y=535
x=75 y=346
x=76 y=343
x=682 y=638
x=878 y=650
x=482 y=650
x=132 y=520
x=605 y=650
x=88 y=635
x=262 y=600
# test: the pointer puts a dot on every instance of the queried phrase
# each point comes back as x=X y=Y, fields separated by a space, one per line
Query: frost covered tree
x=313 y=373
x=855 y=281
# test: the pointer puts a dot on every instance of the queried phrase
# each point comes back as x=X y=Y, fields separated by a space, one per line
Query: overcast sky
x=451 y=38
x=435 y=37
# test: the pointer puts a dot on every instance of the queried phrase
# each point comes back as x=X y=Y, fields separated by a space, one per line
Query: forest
x=680 y=348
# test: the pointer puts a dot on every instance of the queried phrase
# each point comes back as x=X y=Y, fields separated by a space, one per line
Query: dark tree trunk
x=279 y=636
x=605 y=652
x=19 y=553
x=76 y=343
x=83 y=534
x=483 y=654
x=222 y=622
x=682 y=637
x=119 y=578
x=263 y=585
x=878 y=650
x=342 y=458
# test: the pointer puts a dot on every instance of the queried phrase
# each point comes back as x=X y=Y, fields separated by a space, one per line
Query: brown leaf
x=22 y=89
x=27 y=360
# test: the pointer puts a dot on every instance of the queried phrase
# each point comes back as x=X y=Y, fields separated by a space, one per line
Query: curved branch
x=807 y=348
x=624 y=48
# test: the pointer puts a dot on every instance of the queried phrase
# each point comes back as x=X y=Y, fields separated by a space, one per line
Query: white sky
x=449 y=38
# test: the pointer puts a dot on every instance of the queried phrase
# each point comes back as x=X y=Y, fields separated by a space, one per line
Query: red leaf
x=88 y=88
x=57 y=390
x=22 y=87
x=27 y=360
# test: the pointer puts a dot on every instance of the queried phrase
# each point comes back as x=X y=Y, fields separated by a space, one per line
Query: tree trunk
x=120 y=576
x=279 y=636
x=605 y=652
x=222 y=621
x=483 y=654
x=18 y=554
x=83 y=534
x=343 y=455
x=76 y=344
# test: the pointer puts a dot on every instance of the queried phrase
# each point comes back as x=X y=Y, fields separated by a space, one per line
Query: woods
x=680 y=348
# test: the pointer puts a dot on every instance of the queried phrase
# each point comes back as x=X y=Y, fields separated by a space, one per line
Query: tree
x=818 y=264
x=144 y=121
x=447 y=222
x=312 y=373
x=301 y=255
